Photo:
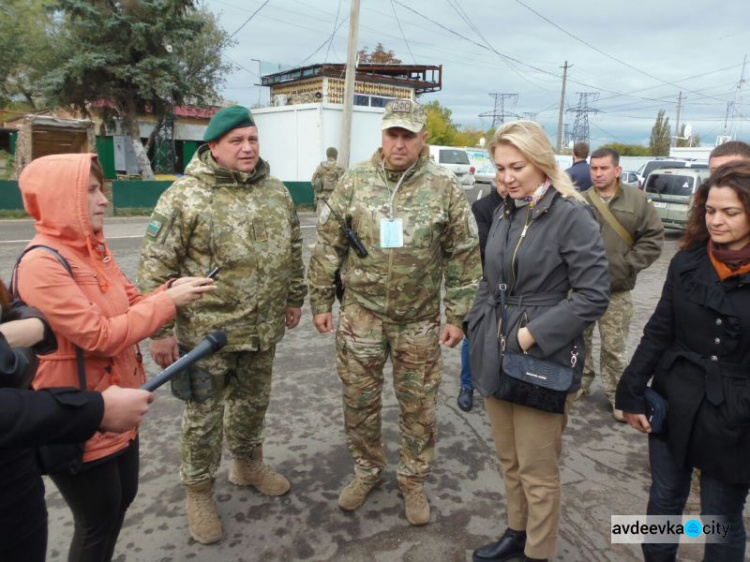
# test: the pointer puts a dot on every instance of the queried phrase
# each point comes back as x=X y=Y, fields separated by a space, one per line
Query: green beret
x=227 y=119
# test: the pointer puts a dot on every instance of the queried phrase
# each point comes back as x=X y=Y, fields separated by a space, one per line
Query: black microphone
x=212 y=343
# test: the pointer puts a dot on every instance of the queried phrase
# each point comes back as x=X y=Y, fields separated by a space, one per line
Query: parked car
x=457 y=161
x=629 y=178
x=659 y=163
x=485 y=173
x=670 y=191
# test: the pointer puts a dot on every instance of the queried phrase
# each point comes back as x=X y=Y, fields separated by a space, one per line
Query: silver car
x=485 y=173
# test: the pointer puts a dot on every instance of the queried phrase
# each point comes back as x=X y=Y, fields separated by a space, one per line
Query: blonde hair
x=531 y=141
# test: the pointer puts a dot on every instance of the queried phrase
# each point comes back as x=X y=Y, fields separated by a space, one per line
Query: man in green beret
x=226 y=212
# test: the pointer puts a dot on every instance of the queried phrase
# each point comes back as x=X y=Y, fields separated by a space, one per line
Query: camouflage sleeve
x=330 y=249
x=297 y=288
x=317 y=180
x=163 y=247
x=463 y=266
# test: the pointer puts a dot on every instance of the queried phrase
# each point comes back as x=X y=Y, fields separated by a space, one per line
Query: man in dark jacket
x=484 y=212
x=633 y=236
x=580 y=172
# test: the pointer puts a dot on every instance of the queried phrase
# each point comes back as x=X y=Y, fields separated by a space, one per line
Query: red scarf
x=729 y=262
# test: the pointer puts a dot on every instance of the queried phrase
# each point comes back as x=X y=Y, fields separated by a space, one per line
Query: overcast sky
x=637 y=55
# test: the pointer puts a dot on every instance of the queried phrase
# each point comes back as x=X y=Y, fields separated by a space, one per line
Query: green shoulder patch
x=155 y=225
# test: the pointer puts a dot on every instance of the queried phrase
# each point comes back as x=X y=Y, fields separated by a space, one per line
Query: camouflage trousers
x=614 y=327
x=320 y=198
x=237 y=411
x=364 y=341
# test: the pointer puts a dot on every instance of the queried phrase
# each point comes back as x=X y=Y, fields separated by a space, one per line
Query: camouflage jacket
x=401 y=284
x=326 y=176
x=246 y=225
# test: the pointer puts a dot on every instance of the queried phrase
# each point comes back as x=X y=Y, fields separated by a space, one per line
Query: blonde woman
x=545 y=249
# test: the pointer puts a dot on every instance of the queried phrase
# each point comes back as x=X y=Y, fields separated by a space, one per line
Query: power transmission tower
x=499 y=114
x=581 y=124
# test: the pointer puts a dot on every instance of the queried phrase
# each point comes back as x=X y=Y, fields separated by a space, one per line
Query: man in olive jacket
x=633 y=236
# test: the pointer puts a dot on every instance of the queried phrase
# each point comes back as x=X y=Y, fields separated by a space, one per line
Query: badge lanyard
x=392 y=229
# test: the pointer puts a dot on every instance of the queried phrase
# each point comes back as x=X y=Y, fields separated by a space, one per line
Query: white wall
x=294 y=138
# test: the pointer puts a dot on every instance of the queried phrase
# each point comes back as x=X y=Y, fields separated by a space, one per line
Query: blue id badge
x=391 y=233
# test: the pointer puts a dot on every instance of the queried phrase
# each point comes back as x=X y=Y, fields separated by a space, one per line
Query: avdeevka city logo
x=693 y=528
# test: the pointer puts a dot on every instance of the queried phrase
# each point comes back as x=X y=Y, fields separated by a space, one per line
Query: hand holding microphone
x=212 y=343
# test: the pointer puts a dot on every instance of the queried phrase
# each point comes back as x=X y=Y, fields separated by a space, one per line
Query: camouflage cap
x=405 y=114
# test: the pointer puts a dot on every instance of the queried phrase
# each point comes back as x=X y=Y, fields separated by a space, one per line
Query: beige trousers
x=528 y=443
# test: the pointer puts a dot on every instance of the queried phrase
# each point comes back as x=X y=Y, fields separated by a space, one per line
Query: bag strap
x=603 y=208
x=14 y=292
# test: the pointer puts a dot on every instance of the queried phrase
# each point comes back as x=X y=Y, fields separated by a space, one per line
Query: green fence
x=10 y=195
x=143 y=194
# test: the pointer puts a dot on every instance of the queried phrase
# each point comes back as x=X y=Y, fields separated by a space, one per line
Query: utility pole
x=677 y=121
x=558 y=146
x=351 y=72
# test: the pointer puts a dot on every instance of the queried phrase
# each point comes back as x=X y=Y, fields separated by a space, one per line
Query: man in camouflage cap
x=325 y=178
x=227 y=212
x=416 y=225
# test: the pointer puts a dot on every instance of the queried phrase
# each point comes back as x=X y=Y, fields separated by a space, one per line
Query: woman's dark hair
x=735 y=175
x=97 y=171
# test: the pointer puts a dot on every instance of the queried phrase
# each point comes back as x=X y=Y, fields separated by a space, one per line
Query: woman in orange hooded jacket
x=99 y=311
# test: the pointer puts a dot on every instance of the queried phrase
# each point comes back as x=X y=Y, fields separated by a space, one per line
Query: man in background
x=580 y=172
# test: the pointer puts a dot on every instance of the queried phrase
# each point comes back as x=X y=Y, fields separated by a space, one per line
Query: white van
x=457 y=161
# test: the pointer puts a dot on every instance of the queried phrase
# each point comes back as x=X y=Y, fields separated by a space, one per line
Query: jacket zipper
x=514 y=263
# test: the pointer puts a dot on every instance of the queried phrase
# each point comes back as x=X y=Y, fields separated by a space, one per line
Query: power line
x=248 y=20
x=598 y=50
x=335 y=21
x=402 y=33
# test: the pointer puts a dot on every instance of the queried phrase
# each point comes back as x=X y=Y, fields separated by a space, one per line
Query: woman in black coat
x=697 y=347
x=31 y=418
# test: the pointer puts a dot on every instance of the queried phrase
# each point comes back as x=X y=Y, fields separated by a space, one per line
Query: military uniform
x=325 y=178
x=247 y=225
x=639 y=218
x=392 y=299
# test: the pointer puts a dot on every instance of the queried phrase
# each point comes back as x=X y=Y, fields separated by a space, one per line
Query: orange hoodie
x=98 y=309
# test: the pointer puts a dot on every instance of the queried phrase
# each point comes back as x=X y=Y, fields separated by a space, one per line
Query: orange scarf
x=722 y=269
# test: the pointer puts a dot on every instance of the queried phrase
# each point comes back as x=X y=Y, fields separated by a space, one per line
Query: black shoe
x=510 y=545
x=466 y=399
x=527 y=559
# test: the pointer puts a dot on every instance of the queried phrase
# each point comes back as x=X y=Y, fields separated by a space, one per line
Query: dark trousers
x=670 y=487
x=466 y=381
x=99 y=497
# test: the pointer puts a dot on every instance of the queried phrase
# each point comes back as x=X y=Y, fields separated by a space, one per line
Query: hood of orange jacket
x=55 y=193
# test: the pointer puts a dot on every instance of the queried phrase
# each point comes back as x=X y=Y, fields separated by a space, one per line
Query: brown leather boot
x=251 y=471
x=416 y=506
x=204 y=523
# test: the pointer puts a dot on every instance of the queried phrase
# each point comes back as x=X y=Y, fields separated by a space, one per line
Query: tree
x=629 y=149
x=661 y=136
x=378 y=56
x=134 y=57
x=28 y=36
x=440 y=128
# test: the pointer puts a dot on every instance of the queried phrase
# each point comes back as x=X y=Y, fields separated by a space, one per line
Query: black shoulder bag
x=58 y=457
x=532 y=381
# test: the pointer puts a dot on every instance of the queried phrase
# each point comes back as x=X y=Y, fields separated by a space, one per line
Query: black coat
x=697 y=339
x=484 y=212
x=29 y=418
x=580 y=173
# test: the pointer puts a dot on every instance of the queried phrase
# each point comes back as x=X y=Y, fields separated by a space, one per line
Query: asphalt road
x=604 y=465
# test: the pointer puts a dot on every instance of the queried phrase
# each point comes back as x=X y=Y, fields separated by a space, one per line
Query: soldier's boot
x=354 y=494
x=416 y=506
x=203 y=522
x=252 y=471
